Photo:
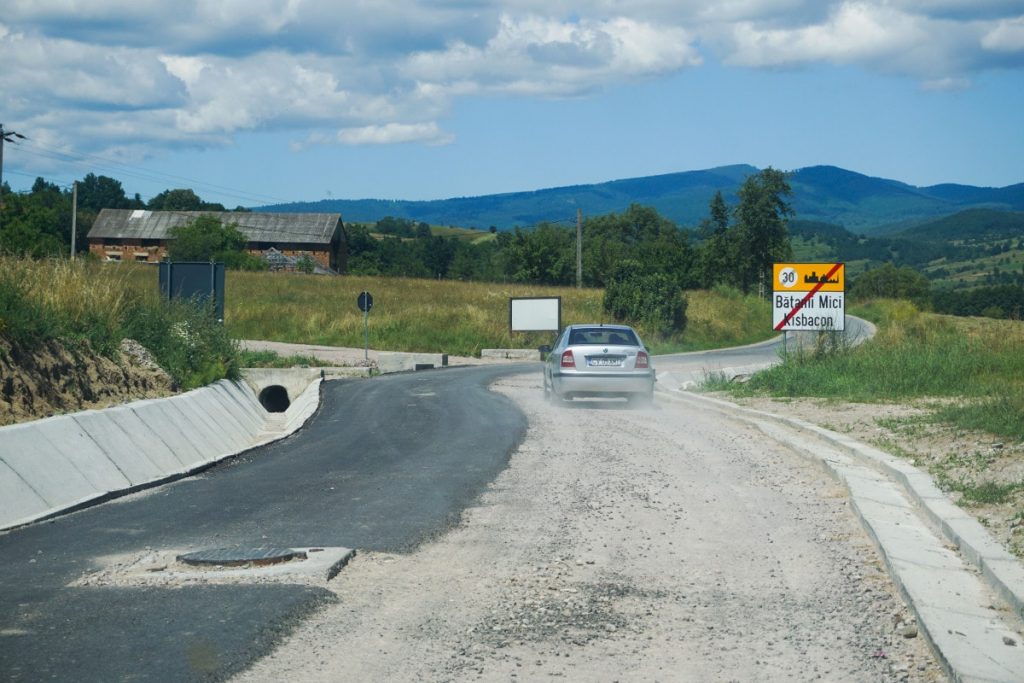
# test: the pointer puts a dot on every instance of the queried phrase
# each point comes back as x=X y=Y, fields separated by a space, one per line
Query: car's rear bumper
x=596 y=383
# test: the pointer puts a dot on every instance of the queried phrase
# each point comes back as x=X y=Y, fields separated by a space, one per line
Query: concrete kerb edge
x=977 y=546
x=304 y=406
x=935 y=640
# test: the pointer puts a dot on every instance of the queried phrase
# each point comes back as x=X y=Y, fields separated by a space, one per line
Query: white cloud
x=946 y=84
x=392 y=133
x=889 y=37
x=136 y=76
x=537 y=56
x=854 y=32
x=1007 y=36
x=41 y=72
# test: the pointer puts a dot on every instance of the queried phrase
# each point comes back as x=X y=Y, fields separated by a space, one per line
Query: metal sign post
x=365 y=303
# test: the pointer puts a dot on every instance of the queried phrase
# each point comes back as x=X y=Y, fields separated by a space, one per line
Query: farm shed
x=140 y=235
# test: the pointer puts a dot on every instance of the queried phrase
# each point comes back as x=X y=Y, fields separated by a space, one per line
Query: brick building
x=140 y=235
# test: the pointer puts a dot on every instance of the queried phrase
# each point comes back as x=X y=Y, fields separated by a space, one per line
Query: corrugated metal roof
x=304 y=228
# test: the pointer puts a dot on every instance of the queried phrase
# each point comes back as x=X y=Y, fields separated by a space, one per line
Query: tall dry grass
x=95 y=304
x=76 y=298
x=459 y=318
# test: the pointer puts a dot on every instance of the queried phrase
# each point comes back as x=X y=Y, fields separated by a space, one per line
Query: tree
x=761 y=235
x=181 y=200
x=437 y=255
x=888 y=281
x=36 y=224
x=716 y=255
x=544 y=255
x=100 y=192
x=718 y=219
x=640 y=295
x=638 y=233
x=399 y=227
x=205 y=239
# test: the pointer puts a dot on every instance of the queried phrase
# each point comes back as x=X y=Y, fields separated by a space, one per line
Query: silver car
x=599 y=360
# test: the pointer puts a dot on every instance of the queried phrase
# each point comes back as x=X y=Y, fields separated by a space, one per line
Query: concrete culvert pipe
x=275 y=399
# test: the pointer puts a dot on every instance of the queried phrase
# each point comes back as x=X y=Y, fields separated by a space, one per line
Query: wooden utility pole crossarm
x=5 y=136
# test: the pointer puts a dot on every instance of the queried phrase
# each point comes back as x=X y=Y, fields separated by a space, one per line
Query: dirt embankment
x=52 y=378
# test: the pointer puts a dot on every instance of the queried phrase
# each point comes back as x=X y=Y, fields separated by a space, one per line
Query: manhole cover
x=237 y=557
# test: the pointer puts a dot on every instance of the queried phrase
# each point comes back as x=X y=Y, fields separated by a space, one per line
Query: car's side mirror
x=544 y=349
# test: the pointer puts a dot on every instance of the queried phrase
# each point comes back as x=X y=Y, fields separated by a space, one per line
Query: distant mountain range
x=860 y=203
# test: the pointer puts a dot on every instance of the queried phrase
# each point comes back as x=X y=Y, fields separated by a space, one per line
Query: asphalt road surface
x=384 y=465
x=748 y=359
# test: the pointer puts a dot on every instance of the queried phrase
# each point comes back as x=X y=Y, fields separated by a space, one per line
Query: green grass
x=458 y=318
x=104 y=302
x=977 y=362
x=463 y=234
x=270 y=359
x=990 y=493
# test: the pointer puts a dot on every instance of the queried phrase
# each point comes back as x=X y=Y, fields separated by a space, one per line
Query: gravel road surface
x=623 y=545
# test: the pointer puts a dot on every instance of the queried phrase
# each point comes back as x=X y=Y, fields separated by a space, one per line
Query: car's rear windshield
x=604 y=336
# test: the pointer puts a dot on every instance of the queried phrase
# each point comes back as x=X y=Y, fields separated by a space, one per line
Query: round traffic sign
x=364 y=301
x=787 y=277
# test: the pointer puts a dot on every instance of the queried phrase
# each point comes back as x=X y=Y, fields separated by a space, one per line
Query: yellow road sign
x=804 y=277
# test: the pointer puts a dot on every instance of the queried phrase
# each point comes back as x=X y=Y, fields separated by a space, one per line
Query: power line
x=90 y=161
x=63 y=185
x=118 y=168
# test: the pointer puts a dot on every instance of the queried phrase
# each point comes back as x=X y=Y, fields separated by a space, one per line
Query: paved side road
x=670 y=543
x=384 y=465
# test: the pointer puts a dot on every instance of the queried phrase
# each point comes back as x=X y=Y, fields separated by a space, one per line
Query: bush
x=305 y=264
x=203 y=239
x=240 y=260
x=650 y=300
x=22 y=319
x=185 y=339
x=891 y=282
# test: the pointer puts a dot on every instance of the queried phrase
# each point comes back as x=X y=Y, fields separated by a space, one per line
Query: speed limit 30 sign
x=808 y=296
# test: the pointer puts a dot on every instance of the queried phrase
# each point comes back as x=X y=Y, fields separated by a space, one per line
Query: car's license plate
x=605 y=362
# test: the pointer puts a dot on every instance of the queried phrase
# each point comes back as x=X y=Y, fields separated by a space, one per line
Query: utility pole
x=5 y=136
x=74 y=216
x=579 y=247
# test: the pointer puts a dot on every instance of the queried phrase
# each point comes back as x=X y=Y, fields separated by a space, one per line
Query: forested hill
x=970 y=225
x=861 y=203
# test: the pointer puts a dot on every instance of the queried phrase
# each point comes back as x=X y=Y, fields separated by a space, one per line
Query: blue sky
x=258 y=101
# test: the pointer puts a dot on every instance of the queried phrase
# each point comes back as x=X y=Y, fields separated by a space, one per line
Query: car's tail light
x=567 y=360
x=642 y=360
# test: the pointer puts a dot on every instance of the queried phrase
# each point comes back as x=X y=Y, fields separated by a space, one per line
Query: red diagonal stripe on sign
x=796 y=309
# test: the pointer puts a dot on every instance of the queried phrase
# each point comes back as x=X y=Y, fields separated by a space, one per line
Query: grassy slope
x=977 y=363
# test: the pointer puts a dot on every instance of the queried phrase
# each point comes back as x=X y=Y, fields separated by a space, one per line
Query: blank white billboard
x=535 y=314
